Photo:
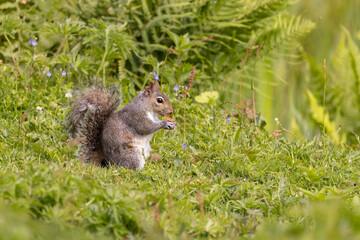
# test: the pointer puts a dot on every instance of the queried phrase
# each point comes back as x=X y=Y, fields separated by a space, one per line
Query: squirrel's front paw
x=169 y=125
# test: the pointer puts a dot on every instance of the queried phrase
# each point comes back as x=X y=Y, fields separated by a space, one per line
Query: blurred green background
x=330 y=16
x=336 y=38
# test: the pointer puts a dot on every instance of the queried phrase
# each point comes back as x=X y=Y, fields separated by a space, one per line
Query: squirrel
x=121 y=138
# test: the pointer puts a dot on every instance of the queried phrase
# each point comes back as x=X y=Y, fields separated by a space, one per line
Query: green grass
x=236 y=181
x=232 y=183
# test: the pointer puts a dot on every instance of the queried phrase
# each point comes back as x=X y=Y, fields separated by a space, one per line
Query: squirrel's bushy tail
x=88 y=114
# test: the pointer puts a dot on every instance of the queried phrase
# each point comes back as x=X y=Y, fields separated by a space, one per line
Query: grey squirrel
x=119 y=138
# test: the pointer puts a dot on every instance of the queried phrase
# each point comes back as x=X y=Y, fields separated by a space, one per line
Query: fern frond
x=145 y=9
x=319 y=114
x=284 y=30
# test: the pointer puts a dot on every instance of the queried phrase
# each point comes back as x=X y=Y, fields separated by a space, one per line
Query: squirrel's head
x=159 y=102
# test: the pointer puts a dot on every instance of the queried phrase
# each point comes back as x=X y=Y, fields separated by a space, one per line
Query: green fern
x=320 y=116
x=150 y=27
x=233 y=23
x=342 y=94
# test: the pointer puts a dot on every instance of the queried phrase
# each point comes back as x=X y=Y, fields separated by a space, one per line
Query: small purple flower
x=155 y=76
x=44 y=71
x=184 y=145
x=30 y=41
x=181 y=95
x=63 y=73
x=48 y=74
x=72 y=65
x=190 y=147
x=34 y=43
x=228 y=119
x=176 y=88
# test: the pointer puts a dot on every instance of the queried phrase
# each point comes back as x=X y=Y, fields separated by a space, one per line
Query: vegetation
x=228 y=170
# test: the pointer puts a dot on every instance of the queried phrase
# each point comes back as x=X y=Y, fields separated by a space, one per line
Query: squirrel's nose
x=171 y=111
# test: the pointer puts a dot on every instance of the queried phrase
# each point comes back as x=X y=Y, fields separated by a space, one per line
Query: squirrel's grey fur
x=119 y=138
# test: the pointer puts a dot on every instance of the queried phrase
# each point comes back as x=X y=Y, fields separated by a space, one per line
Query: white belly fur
x=142 y=145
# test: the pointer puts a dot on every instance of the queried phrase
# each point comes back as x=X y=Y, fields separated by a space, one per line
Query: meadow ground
x=218 y=175
x=234 y=181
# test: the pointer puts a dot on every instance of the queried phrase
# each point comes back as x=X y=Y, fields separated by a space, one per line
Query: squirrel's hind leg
x=94 y=157
x=124 y=155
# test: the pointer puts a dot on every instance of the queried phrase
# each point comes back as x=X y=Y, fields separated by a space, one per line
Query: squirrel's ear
x=149 y=89
x=156 y=85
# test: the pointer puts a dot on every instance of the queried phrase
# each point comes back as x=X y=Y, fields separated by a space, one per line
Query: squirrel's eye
x=160 y=100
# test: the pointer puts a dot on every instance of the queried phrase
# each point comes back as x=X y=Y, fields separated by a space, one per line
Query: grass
x=235 y=182
x=221 y=177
